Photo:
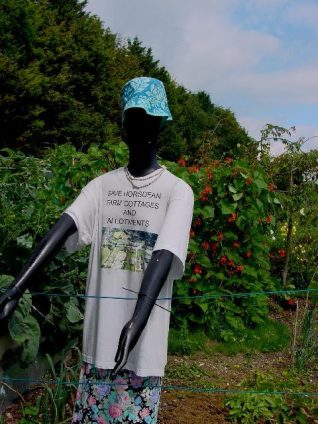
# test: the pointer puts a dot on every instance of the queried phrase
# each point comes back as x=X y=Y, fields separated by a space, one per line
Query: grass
x=272 y=336
x=182 y=342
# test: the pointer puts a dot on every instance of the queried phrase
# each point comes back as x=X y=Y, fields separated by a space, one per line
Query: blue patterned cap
x=148 y=94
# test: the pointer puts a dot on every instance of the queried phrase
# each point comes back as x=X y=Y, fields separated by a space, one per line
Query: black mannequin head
x=144 y=110
x=140 y=128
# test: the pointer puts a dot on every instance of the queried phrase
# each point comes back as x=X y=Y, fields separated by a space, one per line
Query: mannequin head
x=144 y=111
x=140 y=128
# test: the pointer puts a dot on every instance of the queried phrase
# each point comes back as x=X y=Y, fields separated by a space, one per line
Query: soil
x=204 y=370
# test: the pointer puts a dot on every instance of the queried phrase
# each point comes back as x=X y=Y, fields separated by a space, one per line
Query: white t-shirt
x=124 y=226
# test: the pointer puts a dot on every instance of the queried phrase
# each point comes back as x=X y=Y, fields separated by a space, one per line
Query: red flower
x=181 y=162
x=248 y=181
x=214 y=247
x=230 y=262
x=197 y=269
x=203 y=197
x=271 y=187
x=234 y=173
x=236 y=244
x=192 y=280
x=223 y=260
x=205 y=245
x=207 y=190
x=220 y=236
x=197 y=222
x=194 y=169
x=248 y=254
x=239 y=268
x=232 y=218
x=104 y=170
x=281 y=253
x=268 y=219
x=194 y=291
x=192 y=233
x=228 y=160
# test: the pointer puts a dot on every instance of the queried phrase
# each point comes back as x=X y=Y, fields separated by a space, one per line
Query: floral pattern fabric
x=127 y=398
x=148 y=94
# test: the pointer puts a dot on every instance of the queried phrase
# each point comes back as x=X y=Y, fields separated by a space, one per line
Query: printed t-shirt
x=124 y=226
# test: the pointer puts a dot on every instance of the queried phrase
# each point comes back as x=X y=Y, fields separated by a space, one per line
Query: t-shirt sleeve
x=174 y=233
x=83 y=212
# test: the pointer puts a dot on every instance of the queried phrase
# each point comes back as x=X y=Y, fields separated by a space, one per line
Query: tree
x=295 y=174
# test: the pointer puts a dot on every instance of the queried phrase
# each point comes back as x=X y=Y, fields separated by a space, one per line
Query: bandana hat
x=148 y=94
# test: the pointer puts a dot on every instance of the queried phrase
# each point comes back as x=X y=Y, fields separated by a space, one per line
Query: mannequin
x=144 y=111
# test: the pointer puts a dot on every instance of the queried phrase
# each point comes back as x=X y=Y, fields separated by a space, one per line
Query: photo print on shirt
x=125 y=249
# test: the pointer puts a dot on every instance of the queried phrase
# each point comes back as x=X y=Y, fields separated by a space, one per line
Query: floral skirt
x=127 y=398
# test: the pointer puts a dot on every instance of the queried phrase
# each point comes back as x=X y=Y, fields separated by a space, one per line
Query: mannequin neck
x=142 y=158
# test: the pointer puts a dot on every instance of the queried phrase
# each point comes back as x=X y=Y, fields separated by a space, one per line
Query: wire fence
x=170 y=387
x=214 y=390
x=207 y=296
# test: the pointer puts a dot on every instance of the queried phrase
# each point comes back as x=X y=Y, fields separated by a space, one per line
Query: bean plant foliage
x=228 y=248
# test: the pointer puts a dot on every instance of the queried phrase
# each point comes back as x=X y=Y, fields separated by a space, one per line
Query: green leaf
x=25 y=303
x=25 y=330
x=25 y=240
x=260 y=183
x=5 y=281
x=220 y=276
x=73 y=314
x=228 y=208
x=203 y=306
x=194 y=246
x=259 y=204
x=232 y=189
x=229 y=235
x=203 y=260
x=250 y=271
x=237 y=196
x=208 y=212
x=240 y=223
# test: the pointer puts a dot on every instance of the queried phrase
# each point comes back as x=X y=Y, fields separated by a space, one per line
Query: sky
x=259 y=58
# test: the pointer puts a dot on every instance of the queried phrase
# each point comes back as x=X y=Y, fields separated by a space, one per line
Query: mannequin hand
x=8 y=302
x=127 y=341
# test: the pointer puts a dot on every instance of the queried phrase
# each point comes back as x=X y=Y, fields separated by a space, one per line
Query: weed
x=248 y=408
x=31 y=412
x=185 y=371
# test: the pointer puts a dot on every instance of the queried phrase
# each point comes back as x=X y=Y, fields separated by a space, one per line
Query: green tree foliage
x=55 y=76
x=61 y=73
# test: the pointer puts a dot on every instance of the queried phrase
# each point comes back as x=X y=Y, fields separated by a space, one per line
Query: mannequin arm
x=44 y=252
x=154 y=278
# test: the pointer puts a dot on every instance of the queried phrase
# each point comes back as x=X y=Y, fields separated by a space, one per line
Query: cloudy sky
x=257 y=57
